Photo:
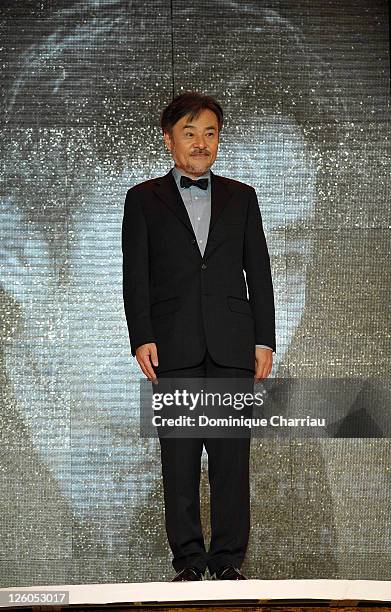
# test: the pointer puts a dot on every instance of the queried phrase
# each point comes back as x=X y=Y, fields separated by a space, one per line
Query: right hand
x=145 y=354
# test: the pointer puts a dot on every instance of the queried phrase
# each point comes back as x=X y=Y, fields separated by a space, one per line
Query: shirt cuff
x=263 y=346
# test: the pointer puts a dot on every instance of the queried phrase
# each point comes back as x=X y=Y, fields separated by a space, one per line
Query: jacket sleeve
x=135 y=268
x=256 y=263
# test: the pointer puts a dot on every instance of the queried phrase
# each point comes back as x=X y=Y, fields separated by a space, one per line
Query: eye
x=188 y=133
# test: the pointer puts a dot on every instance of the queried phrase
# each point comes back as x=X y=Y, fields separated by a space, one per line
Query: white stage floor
x=209 y=590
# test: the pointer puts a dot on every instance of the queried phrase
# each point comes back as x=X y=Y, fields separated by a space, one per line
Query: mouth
x=200 y=154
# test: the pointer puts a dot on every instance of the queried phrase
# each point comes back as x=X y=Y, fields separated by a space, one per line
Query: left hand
x=263 y=363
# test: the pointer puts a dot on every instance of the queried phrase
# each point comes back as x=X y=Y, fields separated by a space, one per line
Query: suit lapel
x=166 y=189
x=220 y=195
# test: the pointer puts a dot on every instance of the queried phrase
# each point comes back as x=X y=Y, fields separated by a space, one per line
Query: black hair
x=189 y=103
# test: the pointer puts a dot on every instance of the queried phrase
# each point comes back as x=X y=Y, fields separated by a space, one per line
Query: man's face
x=193 y=144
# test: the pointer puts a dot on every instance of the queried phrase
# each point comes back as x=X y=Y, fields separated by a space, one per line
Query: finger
x=143 y=368
x=268 y=370
x=154 y=356
x=144 y=365
x=149 y=368
x=263 y=373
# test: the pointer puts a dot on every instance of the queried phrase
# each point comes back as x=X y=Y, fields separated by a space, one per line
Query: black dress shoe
x=188 y=573
x=228 y=572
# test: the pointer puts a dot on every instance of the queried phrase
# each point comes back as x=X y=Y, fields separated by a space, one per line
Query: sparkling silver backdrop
x=305 y=90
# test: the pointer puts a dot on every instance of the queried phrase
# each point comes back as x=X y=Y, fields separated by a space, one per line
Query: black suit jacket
x=184 y=302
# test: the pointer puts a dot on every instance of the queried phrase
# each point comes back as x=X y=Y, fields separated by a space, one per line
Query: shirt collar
x=177 y=175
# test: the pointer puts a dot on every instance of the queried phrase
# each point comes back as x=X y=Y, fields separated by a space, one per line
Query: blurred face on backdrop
x=65 y=347
x=75 y=355
x=193 y=143
x=56 y=329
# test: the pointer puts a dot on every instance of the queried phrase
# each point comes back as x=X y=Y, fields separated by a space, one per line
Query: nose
x=200 y=142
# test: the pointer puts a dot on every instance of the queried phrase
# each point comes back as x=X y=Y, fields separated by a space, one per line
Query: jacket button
x=193 y=241
x=204 y=266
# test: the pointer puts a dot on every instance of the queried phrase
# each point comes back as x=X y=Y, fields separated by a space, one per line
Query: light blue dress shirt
x=198 y=206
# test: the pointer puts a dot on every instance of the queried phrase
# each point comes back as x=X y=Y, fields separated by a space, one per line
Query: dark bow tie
x=186 y=181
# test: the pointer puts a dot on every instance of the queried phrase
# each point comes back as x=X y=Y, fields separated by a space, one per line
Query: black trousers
x=228 y=473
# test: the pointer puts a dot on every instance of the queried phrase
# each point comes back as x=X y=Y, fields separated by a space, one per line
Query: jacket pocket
x=239 y=305
x=164 y=307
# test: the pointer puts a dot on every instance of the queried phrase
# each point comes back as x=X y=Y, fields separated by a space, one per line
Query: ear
x=167 y=140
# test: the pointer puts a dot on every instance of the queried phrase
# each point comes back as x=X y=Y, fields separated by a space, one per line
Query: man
x=186 y=239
